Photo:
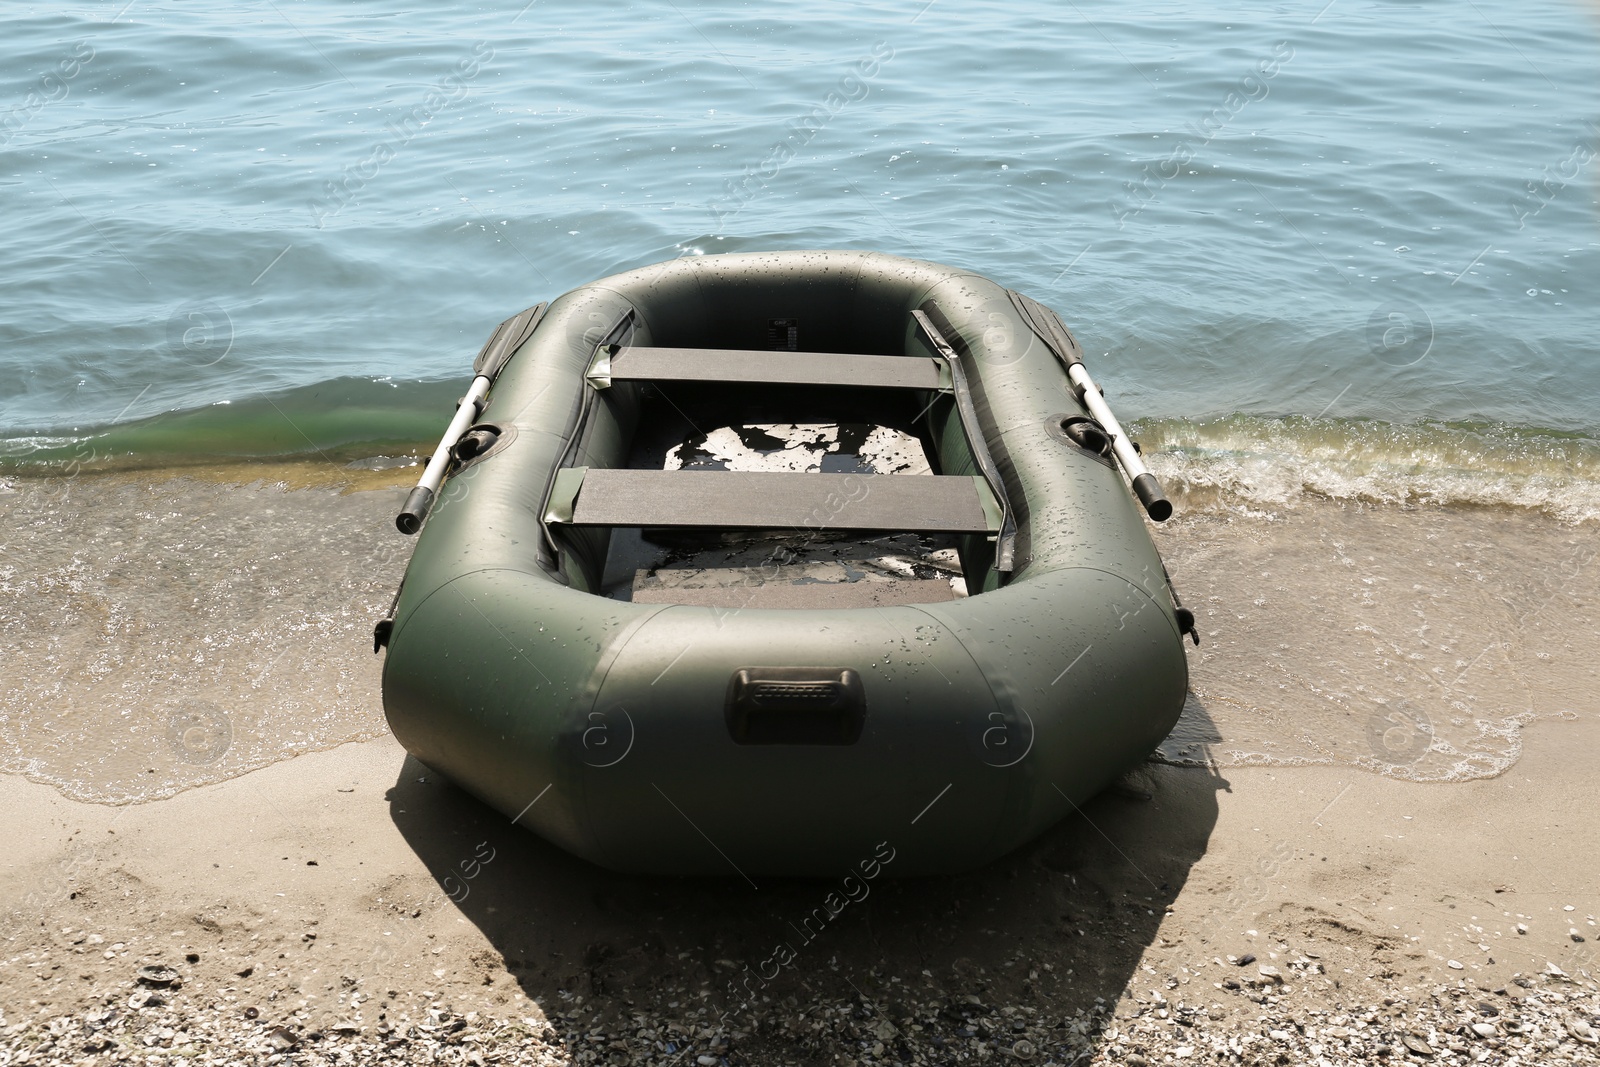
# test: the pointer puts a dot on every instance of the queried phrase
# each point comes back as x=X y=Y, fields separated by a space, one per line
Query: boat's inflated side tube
x=692 y=740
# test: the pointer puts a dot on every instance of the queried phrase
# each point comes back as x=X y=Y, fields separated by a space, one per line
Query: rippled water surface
x=212 y=202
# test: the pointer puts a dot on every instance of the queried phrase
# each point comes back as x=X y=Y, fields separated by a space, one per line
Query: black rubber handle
x=409 y=521
x=1148 y=490
x=795 y=706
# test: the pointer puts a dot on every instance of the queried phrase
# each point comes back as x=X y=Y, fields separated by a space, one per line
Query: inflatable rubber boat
x=763 y=725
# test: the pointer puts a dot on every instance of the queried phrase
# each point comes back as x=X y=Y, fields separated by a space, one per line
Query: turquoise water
x=1275 y=229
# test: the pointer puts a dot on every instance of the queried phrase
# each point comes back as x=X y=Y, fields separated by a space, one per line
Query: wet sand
x=1414 y=642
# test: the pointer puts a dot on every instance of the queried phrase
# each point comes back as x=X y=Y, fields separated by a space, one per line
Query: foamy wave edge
x=1251 y=464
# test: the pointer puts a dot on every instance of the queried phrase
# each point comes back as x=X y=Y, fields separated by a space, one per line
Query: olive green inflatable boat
x=682 y=737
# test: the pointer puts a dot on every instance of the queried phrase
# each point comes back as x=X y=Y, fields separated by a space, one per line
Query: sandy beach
x=345 y=898
x=258 y=894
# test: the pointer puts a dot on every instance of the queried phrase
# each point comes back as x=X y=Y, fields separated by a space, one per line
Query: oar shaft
x=1145 y=486
x=420 y=500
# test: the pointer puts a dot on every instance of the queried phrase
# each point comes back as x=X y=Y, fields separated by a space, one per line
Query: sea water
x=1335 y=263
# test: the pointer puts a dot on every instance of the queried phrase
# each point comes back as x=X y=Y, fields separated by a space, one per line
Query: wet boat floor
x=783 y=568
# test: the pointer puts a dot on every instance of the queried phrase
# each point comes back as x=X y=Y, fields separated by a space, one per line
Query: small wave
x=1250 y=463
x=344 y=420
x=19 y=447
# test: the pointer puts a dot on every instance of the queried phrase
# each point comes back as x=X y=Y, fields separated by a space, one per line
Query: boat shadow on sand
x=1028 y=955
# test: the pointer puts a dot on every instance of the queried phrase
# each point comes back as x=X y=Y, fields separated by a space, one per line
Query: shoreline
x=339 y=900
x=1414 y=641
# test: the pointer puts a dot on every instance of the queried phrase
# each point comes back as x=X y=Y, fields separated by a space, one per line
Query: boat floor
x=783 y=569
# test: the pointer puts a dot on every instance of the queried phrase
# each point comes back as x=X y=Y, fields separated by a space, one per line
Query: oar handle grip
x=420 y=500
x=1148 y=490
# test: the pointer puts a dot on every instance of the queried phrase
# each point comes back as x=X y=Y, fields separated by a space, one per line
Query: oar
x=420 y=501
x=1059 y=340
x=1145 y=486
x=509 y=336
